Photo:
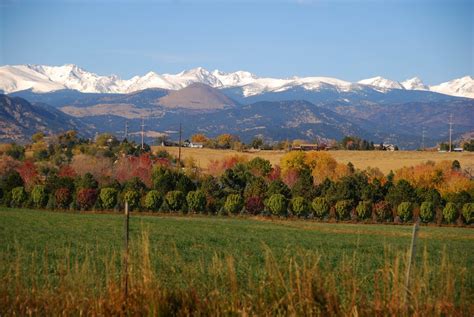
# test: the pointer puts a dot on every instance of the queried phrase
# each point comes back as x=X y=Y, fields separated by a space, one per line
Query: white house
x=196 y=145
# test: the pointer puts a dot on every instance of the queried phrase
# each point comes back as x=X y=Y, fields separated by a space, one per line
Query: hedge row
x=277 y=204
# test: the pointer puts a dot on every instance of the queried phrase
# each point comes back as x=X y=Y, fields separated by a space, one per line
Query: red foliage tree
x=275 y=173
x=63 y=197
x=217 y=167
x=254 y=205
x=67 y=171
x=290 y=177
x=86 y=198
x=28 y=173
x=131 y=166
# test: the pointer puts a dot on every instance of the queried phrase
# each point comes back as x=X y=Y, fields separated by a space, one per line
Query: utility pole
x=143 y=131
x=179 y=145
x=450 y=131
x=423 y=131
x=126 y=129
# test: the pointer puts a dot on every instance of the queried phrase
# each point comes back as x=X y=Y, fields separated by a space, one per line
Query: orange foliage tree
x=441 y=176
x=7 y=164
x=199 y=138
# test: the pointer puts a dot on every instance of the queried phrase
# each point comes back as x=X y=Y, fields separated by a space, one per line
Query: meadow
x=54 y=263
x=384 y=160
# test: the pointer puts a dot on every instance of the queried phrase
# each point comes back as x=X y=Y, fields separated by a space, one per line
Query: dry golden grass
x=385 y=161
x=4 y=147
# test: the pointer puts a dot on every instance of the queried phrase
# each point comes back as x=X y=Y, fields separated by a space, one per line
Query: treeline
x=230 y=141
x=309 y=185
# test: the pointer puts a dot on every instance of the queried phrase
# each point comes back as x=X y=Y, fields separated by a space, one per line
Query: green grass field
x=225 y=255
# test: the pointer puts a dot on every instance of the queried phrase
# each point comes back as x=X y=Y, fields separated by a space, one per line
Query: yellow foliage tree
x=375 y=173
x=321 y=164
x=226 y=140
x=294 y=160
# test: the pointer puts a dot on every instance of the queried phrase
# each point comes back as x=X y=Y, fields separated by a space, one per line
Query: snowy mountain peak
x=381 y=82
x=461 y=87
x=414 y=83
x=238 y=78
x=43 y=78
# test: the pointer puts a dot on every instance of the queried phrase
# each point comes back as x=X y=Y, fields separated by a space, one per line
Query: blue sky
x=349 y=40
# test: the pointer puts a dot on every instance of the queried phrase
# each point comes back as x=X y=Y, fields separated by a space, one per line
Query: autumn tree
x=100 y=167
x=293 y=161
x=226 y=141
x=28 y=173
x=37 y=137
x=199 y=138
x=129 y=167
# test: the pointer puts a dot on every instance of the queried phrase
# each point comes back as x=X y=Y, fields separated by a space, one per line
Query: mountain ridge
x=20 y=119
x=43 y=78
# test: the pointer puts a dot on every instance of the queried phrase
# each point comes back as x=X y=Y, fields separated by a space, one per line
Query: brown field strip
x=385 y=161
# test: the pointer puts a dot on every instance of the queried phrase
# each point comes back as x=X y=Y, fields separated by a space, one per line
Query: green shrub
x=132 y=197
x=468 y=212
x=343 y=209
x=278 y=187
x=320 y=207
x=364 y=209
x=257 y=187
x=175 y=200
x=9 y=181
x=18 y=196
x=277 y=204
x=405 y=211
x=86 y=181
x=196 y=201
x=427 y=211
x=153 y=200
x=39 y=196
x=233 y=203
x=62 y=197
x=299 y=206
x=164 y=179
x=108 y=197
x=450 y=212
x=382 y=210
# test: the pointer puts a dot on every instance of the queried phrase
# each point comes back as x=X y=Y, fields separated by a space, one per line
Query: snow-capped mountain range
x=41 y=78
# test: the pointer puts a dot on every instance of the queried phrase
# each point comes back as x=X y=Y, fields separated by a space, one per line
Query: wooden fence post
x=125 y=258
x=411 y=258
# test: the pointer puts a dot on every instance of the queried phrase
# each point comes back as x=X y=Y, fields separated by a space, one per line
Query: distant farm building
x=196 y=145
x=306 y=147
x=385 y=147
